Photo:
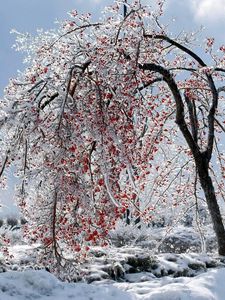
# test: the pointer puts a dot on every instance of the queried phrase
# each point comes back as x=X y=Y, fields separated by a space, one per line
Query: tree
x=110 y=115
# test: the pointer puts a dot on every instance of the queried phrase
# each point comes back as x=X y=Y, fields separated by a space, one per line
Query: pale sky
x=28 y=15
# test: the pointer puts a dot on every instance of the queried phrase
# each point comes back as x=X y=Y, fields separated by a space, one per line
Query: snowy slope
x=207 y=286
x=43 y=285
x=142 y=275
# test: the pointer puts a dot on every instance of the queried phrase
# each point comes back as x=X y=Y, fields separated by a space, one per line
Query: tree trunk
x=213 y=207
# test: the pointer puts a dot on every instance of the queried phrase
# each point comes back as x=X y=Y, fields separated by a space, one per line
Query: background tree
x=110 y=115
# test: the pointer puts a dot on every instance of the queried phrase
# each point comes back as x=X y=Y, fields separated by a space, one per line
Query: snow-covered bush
x=12 y=222
x=128 y=234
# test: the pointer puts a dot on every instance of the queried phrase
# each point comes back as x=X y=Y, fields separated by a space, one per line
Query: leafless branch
x=192 y=116
x=221 y=89
x=168 y=78
x=4 y=164
x=50 y=99
x=74 y=30
x=213 y=89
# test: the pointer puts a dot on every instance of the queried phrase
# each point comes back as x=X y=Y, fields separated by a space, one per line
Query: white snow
x=209 y=284
x=42 y=285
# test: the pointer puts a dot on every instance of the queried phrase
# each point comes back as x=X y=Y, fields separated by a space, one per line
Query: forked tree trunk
x=201 y=158
x=212 y=203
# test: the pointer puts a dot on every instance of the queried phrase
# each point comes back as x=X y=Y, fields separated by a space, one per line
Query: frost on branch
x=89 y=126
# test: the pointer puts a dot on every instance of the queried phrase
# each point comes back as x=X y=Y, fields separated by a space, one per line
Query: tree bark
x=201 y=159
x=211 y=200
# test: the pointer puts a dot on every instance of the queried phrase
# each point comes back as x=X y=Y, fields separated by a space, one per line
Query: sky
x=28 y=15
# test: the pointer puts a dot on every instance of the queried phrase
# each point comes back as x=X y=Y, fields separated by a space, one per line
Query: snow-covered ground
x=118 y=273
x=42 y=285
x=158 y=281
x=207 y=286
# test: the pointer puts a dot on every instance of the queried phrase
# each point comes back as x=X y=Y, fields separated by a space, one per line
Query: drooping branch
x=221 y=89
x=82 y=27
x=50 y=99
x=4 y=164
x=177 y=45
x=168 y=78
x=54 y=238
x=149 y=83
x=71 y=87
x=192 y=116
x=211 y=117
x=125 y=9
x=214 y=103
x=220 y=125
